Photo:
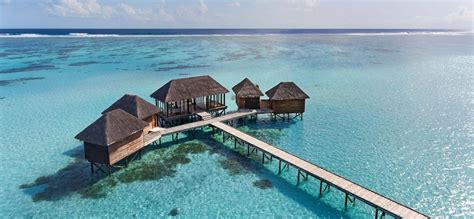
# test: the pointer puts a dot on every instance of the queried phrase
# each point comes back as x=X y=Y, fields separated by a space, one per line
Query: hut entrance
x=252 y=103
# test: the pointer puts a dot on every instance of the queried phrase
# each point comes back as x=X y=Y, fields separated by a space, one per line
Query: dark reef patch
x=168 y=63
x=263 y=184
x=76 y=177
x=19 y=80
x=32 y=67
x=382 y=50
x=195 y=57
x=17 y=57
x=5 y=54
x=68 y=49
x=181 y=67
x=233 y=167
x=152 y=56
x=232 y=56
x=234 y=163
x=173 y=212
x=84 y=63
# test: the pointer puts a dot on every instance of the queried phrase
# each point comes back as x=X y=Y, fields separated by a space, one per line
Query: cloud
x=462 y=13
x=165 y=15
x=137 y=13
x=79 y=8
x=301 y=5
x=95 y=9
x=203 y=7
x=459 y=18
x=235 y=4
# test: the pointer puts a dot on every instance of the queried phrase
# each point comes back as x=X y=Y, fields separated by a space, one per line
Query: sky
x=417 y=14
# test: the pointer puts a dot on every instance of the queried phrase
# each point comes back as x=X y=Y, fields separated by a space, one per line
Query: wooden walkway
x=351 y=189
x=155 y=136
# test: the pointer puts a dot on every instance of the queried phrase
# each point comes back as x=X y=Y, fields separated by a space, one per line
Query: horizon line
x=205 y=28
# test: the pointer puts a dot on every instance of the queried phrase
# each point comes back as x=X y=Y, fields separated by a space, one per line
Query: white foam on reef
x=92 y=35
x=402 y=33
x=24 y=35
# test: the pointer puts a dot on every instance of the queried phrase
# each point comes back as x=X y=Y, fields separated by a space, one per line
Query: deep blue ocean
x=392 y=110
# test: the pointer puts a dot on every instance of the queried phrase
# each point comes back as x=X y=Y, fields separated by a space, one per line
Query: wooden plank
x=154 y=136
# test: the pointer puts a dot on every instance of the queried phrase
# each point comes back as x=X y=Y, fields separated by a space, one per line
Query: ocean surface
x=392 y=110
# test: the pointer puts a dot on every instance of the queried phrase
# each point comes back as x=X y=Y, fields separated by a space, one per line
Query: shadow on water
x=72 y=178
x=157 y=162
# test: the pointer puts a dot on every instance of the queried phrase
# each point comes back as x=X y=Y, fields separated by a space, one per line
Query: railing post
x=345 y=203
x=279 y=167
x=320 y=188
x=298 y=177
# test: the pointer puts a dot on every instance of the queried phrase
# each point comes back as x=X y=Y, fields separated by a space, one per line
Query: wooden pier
x=327 y=179
x=156 y=136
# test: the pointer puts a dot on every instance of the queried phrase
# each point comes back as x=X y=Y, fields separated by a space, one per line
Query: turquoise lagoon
x=394 y=113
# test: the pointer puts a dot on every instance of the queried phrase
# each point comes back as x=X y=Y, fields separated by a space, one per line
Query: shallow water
x=393 y=113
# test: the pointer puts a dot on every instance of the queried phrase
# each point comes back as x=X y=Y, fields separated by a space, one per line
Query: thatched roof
x=187 y=88
x=247 y=89
x=111 y=127
x=134 y=105
x=286 y=91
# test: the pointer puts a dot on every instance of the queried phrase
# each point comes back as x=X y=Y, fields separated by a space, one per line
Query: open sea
x=392 y=110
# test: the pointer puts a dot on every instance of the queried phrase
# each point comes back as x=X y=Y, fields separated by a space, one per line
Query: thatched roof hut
x=286 y=98
x=246 y=88
x=111 y=127
x=185 y=96
x=134 y=105
x=247 y=95
x=188 y=88
x=286 y=91
x=137 y=107
x=113 y=137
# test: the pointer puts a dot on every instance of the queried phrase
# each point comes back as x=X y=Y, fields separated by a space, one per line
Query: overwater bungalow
x=111 y=138
x=180 y=99
x=287 y=98
x=247 y=95
x=137 y=107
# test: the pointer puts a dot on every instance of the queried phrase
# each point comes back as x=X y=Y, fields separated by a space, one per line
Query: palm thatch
x=247 y=89
x=188 y=88
x=134 y=105
x=286 y=91
x=111 y=127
